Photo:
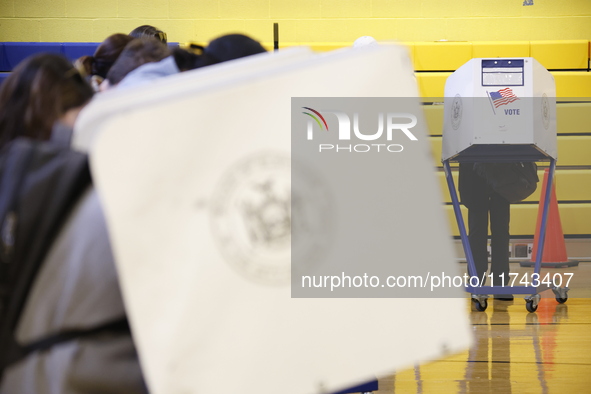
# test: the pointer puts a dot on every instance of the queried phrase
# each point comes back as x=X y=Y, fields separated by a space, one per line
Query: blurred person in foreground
x=76 y=288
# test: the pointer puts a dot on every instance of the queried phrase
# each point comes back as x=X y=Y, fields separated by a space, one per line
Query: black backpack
x=513 y=181
x=40 y=182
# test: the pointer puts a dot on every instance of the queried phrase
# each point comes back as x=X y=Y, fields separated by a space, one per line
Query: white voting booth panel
x=113 y=101
x=502 y=101
x=163 y=168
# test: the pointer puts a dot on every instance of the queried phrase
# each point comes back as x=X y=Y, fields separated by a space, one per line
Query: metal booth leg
x=480 y=300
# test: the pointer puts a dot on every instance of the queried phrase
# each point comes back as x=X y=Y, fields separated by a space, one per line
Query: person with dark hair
x=143 y=60
x=230 y=47
x=97 y=66
x=138 y=52
x=43 y=92
x=70 y=334
x=144 y=31
x=188 y=59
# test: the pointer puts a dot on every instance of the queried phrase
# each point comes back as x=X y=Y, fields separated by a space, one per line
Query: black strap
x=117 y=326
x=120 y=325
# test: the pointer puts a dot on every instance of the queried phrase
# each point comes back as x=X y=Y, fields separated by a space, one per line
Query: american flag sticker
x=503 y=97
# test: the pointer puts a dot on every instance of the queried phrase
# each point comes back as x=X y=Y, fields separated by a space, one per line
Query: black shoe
x=504 y=297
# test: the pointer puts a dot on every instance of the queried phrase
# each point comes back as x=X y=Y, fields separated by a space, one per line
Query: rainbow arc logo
x=313 y=116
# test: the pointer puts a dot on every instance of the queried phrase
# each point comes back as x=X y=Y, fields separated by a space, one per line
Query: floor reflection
x=488 y=365
x=514 y=352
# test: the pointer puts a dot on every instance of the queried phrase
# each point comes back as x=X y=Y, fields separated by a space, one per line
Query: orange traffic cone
x=554 y=253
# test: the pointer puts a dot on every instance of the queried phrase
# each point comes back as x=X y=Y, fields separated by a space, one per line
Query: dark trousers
x=483 y=202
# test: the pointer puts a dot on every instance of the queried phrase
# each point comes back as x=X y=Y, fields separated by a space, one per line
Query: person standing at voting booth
x=500 y=119
x=487 y=190
x=482 y=200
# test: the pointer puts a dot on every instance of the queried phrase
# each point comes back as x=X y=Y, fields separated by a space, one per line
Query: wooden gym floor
x=515 y=351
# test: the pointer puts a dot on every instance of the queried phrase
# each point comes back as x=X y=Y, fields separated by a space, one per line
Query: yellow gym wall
x=302 y=21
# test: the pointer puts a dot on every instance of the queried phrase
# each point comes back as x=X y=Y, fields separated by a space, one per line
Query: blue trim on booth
x=363 y=388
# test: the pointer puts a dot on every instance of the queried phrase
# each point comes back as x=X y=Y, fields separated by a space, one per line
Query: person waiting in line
x=96 y=67
x=145 y=31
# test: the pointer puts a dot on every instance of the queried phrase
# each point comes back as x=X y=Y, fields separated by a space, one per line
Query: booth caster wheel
x=529 y=305
x=531 y=302
x=561 y=294
x=480 y=302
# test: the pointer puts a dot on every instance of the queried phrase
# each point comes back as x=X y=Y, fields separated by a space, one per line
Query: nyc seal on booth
x=251 y=217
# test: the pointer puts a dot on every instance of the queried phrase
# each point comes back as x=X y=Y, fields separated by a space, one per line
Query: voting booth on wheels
x=500 y=110
x=184 y=167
